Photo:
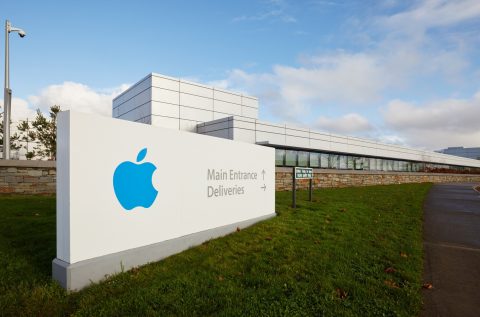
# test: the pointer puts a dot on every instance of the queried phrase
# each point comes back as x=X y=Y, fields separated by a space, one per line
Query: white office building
x=469 y=152
x=178 y=104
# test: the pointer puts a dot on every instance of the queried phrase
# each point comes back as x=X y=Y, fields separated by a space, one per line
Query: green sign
x=303 y=173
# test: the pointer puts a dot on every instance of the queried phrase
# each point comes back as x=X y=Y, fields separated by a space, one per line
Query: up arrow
x=264 y=187
x=263 y=174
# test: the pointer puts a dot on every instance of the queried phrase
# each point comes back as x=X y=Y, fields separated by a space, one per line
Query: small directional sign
x=264 y=187
x=303 y=173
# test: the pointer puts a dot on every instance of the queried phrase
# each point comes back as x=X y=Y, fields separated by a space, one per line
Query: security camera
x=11 y=28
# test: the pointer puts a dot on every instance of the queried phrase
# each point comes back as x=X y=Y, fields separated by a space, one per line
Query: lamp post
x=7 y=92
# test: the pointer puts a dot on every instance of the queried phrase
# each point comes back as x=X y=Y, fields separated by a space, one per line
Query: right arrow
x=264 y=187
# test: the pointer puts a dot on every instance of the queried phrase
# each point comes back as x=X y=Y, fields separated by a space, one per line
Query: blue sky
x=401 y=72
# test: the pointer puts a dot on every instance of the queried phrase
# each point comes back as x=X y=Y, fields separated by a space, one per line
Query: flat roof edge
x=132 y=86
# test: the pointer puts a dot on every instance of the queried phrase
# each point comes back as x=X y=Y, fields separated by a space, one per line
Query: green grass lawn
x=350 y=252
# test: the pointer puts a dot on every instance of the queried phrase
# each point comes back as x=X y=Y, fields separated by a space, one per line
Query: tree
x=13 y=145
x=42 y=131
x=24 y=136
x=45 y=132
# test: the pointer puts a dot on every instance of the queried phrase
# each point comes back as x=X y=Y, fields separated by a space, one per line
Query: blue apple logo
x=133 y=183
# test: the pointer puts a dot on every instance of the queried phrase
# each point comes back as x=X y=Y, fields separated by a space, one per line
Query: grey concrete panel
x=82 y=274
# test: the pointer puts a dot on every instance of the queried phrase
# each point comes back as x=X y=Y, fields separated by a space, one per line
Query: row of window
x=341 y=161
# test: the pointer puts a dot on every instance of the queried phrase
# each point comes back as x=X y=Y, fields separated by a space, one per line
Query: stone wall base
x=39 y=177
x=27 y=177
x=348 y=178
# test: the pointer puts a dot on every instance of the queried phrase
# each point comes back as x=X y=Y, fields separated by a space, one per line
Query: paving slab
x=451 y=236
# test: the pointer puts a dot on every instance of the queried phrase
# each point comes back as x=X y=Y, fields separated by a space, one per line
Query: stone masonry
x=27 y=177
x=39 y=177
x=348 y=178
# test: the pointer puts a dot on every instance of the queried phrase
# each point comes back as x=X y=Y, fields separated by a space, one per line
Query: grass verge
x=350 y=252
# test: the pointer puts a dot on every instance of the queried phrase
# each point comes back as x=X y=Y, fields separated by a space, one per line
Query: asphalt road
x=452 y=251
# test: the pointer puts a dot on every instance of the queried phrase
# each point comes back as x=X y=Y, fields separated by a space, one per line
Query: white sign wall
x=124 y=185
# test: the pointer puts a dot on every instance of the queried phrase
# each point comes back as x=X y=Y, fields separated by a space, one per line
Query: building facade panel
x=136 y=101
x=195 y=114
x=166 y=122
x=165 y=82
x=188 y=125
x=273 y=138
x=227 y=107
x=137 y=113
x=235 y=116
x=297 y=141
x=205 y=128
x=242 y=123
x=196 y=89
x=165 y=95
x=165 y=109
x=194 y=101
x=243 y=135
x=249 y=112
x=297 y=132
x=139 y=87
x=249 y=101
x=227 y=96
x=271 y=128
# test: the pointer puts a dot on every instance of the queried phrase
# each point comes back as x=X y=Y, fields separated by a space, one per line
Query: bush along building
x=337 y=160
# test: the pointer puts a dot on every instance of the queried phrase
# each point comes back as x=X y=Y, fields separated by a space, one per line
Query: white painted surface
x=255 y=131
x=92 y=223
x=183 y=100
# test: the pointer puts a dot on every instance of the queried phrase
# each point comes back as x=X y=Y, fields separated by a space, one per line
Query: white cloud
x=70 y=96
x=334 y=77
x=433 y=13
x=290 y=92
x=347 y=124
x=76 y=96
x=20 y=110
x=451 y=122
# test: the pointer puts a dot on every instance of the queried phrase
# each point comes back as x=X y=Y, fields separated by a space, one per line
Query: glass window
x=324 y=160
x=380 y=165
x=366 y=163
x=358 y=162
x=303 y=158
x=373 y=164
x=422 y=167
x=333 y=161
x=291 y=158
x=415 y=167
x=390 y=165
x=350 y=162
x=279 y=157
x=314 y=159
x=396 y=165
x=342 y=162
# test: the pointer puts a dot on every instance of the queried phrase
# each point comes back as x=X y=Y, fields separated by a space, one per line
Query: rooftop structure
x=472 y=152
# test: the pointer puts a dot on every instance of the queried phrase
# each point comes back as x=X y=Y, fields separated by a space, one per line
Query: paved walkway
x=452 y=251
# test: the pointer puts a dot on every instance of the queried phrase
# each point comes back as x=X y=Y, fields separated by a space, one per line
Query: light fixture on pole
x=7 y=92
